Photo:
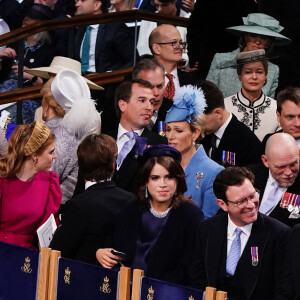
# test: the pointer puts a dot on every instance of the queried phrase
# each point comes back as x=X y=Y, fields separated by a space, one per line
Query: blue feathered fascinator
x=189 y=103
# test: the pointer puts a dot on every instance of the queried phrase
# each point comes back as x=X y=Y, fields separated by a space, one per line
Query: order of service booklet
x=46 y=231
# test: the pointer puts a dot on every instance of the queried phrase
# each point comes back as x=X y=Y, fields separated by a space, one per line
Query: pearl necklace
x=158 y=214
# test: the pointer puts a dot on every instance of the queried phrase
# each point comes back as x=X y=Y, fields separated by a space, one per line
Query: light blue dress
x=200 y=175
x=227 y=79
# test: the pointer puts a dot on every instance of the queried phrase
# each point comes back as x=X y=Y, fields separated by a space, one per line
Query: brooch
x=199 y=176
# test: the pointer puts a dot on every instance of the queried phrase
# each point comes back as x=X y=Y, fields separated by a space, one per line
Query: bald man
x=165 y=43
x=278 y=179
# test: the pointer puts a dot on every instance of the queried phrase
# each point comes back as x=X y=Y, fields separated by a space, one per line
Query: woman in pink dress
x=29 y=193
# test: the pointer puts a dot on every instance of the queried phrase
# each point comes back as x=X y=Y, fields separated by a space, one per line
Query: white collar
x=232 y=227
x=219 y=133
x=122 y=130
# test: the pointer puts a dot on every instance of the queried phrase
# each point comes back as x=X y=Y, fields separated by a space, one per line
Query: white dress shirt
x=269 y=187
x=93 y=39
x=219 y=133
x=122 y=138
x=231 y=233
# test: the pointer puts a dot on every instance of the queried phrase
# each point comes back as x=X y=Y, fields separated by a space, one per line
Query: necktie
x=152 y=122
x=85 y=54
x=213 y=145
x=234 y=253
x=170 y=88
x=271 y=201
x=127 y=147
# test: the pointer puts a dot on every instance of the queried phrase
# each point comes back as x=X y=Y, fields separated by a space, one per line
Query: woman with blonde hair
x=29 y=192
x=185 y=123
x=69 y=111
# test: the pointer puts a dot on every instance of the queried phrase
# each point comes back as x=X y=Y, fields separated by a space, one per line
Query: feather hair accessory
x=189 y=102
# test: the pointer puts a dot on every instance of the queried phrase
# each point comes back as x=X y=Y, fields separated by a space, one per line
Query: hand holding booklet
x=46 y=231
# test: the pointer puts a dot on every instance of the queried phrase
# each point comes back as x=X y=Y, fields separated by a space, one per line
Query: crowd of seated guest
x=188 y=212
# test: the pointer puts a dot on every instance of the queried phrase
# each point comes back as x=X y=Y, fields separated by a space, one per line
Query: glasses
x=175 y=45
x=244 y=202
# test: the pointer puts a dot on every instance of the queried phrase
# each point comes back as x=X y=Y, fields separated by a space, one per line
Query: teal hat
x=262 y=24
x=189 y=103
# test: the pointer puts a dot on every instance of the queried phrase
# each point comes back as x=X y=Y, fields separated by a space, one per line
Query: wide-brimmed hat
x=189 y=103
x=40 y=12
x=58 y=64
x=68 y=87
x=262 y=24
x=161 y=150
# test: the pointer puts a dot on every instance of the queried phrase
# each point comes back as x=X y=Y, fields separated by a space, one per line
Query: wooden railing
x=101 y=79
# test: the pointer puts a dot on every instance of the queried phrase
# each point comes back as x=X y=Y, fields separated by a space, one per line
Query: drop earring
x=146 y=192
x=45 y=114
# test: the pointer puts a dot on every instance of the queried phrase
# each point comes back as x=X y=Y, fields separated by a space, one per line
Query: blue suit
x=201 y=190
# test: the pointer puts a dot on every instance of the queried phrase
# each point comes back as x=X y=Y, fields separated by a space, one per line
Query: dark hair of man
x=231 y=176
x=164 y=1
x=146 y=65
x=96 y=157
x=240 y=67
x=124 y=92
x=213 y=96
x=175 y=170
x=291 y=94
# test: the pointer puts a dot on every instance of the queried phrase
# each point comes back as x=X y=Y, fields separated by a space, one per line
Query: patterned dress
x=259 y=116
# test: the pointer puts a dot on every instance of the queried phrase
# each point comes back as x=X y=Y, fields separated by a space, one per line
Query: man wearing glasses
x=278 y=179
x=167 y=47
x=240 y=251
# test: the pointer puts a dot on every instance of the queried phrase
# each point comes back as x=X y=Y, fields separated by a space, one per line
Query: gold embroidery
x=191 y=298
x=67 y=277
x=26 y=268
x=104 y=288
x=150 y=293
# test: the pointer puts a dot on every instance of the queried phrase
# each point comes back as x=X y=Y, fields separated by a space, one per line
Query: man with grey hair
x=278 y=179
x=152 y=71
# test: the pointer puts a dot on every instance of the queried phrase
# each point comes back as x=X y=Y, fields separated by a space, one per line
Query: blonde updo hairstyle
x=49 y=99
x=21 y=145
x=199 y=124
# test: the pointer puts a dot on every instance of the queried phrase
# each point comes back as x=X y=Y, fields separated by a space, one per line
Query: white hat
x=68 y=87
x=60 y=63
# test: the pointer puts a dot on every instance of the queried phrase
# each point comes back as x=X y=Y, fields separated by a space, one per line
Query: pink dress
x=24 y=206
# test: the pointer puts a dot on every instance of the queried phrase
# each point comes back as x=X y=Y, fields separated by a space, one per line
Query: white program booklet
x=46 y=231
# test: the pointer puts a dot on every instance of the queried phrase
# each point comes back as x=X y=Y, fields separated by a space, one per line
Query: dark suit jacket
x=185 y=77
x=114 y=46
x=289 y=287
x=88 y=221
x=125 y=176
x=249 y=282
x=237 y=138
x=166 y=105
x=171 y=256
x=261 y=177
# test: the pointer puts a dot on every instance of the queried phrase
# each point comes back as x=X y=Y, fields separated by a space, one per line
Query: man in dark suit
x=241 y=251
x=151 y=70
x=111 y=45
x=134 y=107
x=227 y=140
x=278 y=179
x=166 y=45
x=289 y=287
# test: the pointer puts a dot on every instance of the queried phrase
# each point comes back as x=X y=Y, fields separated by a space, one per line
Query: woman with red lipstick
x=158 y=233
x=251 y=106
x=29 y=192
